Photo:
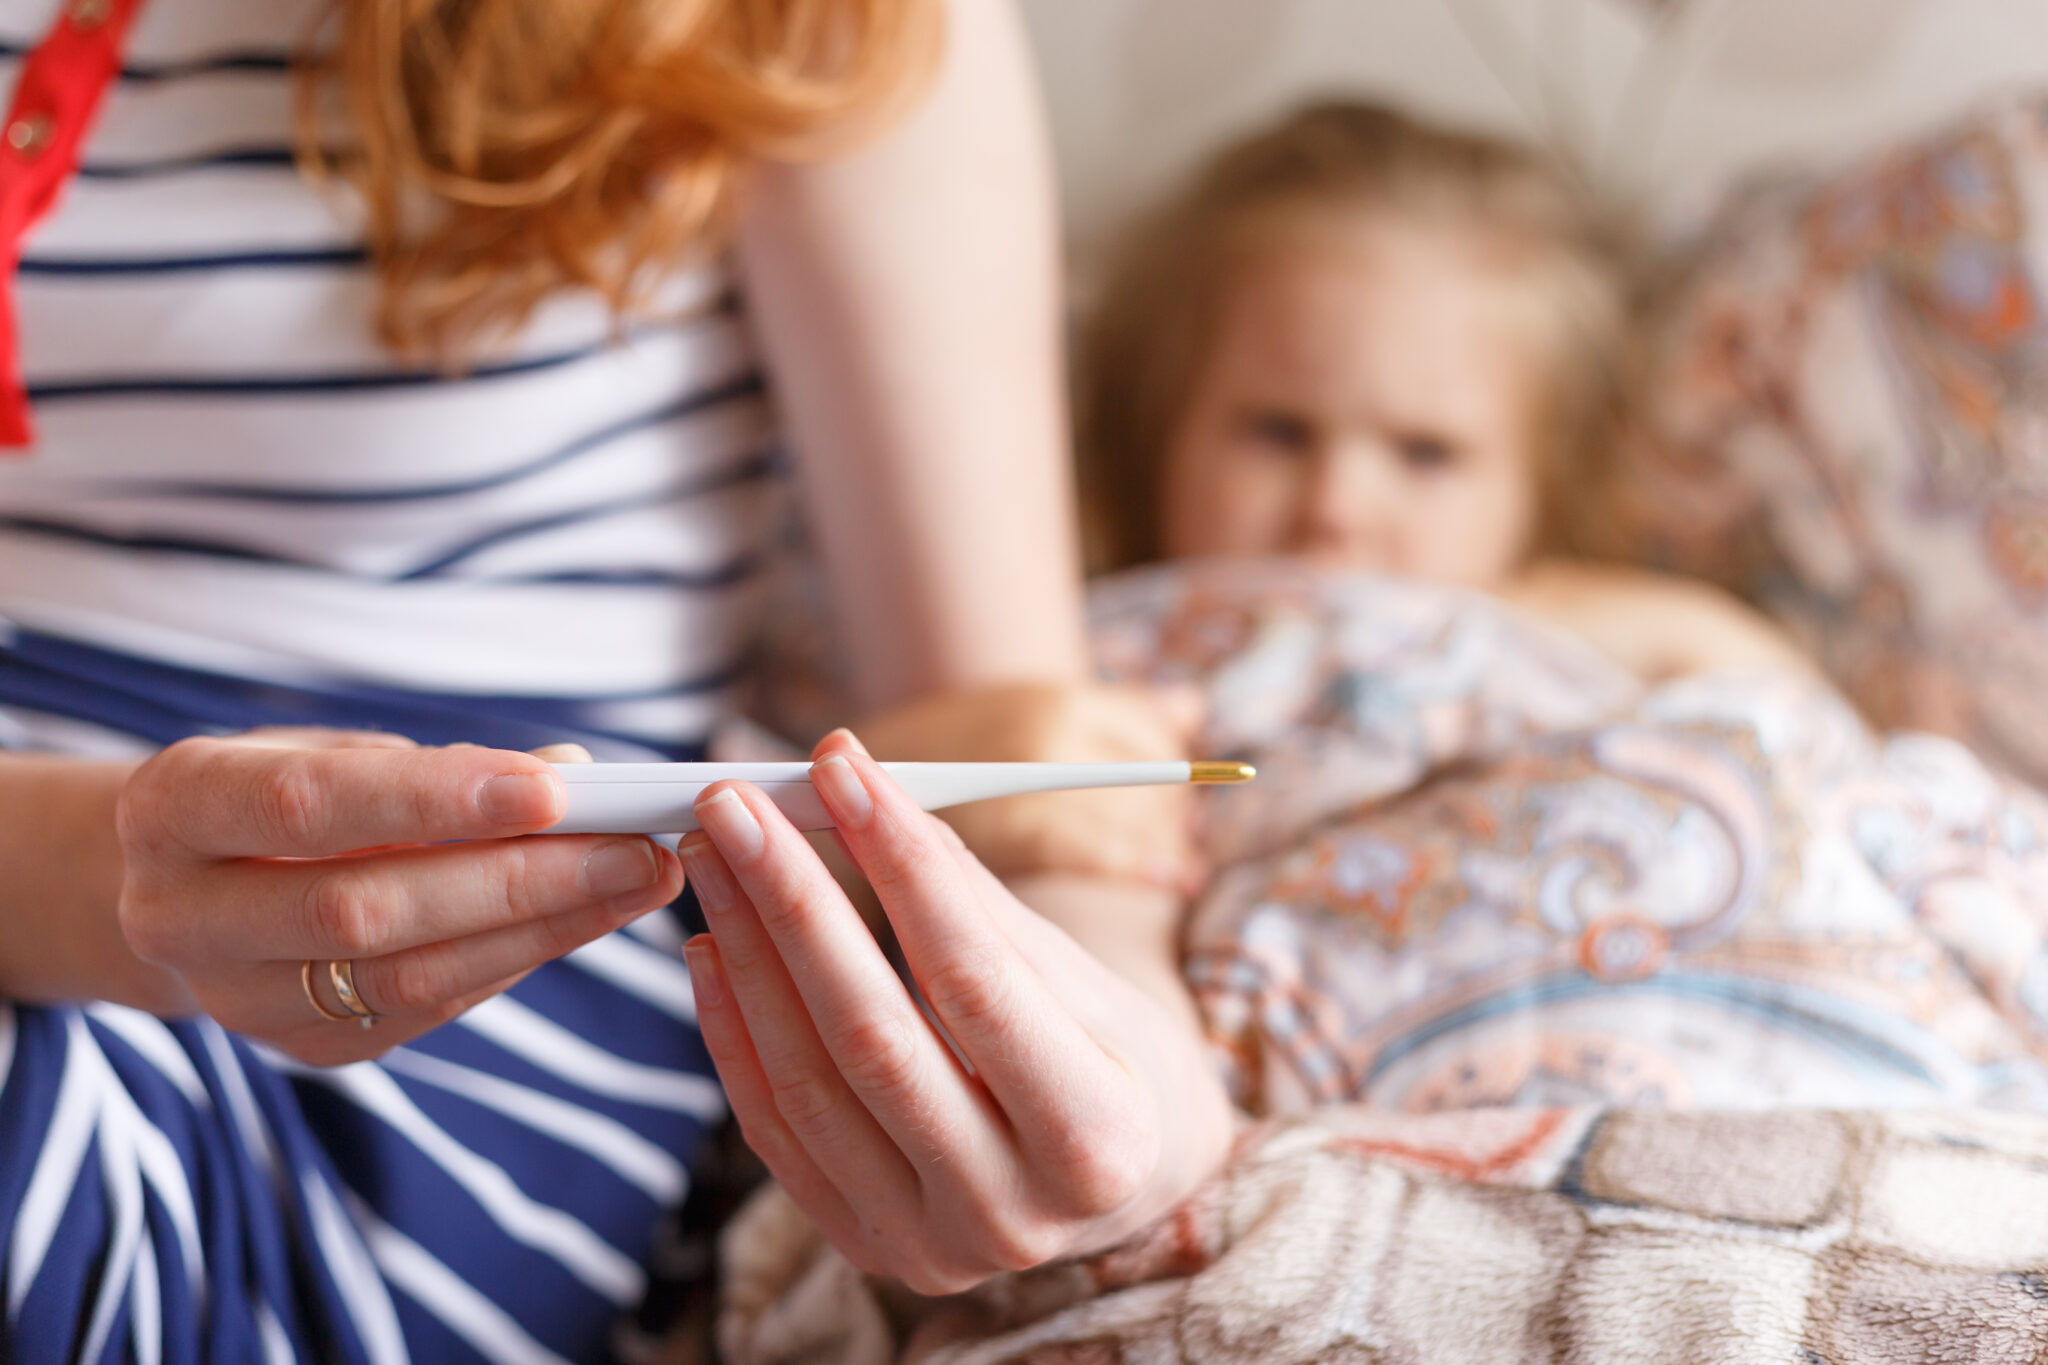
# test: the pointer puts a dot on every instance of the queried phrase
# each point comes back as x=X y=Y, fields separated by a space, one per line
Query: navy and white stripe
x=169 y=1192
x=242 y=511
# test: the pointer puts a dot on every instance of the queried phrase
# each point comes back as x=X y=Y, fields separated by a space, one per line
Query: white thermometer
x=656 y=798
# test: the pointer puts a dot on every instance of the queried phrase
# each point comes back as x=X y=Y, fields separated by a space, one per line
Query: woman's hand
x=1082 y=1111
x=246 y=857
x=1138 y=834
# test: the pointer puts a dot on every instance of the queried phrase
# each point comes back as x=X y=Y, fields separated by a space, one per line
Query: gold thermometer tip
x=1220 y=771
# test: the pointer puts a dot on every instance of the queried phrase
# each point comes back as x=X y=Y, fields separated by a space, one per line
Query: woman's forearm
x=907 y=298
x=60 y=888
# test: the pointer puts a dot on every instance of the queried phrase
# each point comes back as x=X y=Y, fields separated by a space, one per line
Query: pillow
x=1846 y=421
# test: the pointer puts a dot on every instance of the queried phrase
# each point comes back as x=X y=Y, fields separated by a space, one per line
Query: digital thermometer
x=657 y=798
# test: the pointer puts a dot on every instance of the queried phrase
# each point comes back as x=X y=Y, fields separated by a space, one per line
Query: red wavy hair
x=505 y=149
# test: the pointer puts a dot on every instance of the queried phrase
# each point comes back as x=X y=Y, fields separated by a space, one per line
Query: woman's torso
x=233 y=476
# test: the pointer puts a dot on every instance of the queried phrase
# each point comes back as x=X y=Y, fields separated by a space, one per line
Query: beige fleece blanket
x=1568 y=1235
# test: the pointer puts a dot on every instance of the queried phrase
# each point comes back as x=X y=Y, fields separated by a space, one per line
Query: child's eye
x=1280 y=430
x=1427 y=454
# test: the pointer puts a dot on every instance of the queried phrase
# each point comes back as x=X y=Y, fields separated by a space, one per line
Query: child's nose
x=1351 y=507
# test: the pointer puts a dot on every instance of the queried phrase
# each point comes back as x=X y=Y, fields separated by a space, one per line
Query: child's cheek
x=1253 y=507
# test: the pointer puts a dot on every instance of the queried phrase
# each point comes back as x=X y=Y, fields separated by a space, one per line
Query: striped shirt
x=241 y=511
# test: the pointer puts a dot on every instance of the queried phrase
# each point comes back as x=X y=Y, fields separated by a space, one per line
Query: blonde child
x=1386 y=347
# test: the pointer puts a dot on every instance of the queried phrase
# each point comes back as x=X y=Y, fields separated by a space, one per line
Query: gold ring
x=306 y=980
x=342 y=973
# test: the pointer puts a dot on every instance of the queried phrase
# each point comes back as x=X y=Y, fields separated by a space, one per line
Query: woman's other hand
x=246 y=857
x=1137 y=834
x=1075 y=1111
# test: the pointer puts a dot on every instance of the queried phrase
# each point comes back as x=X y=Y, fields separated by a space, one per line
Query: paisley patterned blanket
x=1491 y=912
x=1480 y=867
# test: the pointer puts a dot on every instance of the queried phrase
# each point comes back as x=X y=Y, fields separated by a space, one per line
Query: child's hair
x=1154 y=321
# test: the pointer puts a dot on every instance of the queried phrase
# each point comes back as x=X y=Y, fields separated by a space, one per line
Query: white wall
x=1666 y=98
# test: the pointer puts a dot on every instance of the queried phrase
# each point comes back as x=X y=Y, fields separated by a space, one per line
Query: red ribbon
x=62 y=85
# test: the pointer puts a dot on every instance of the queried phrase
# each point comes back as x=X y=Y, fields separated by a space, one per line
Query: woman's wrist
x=60 y=888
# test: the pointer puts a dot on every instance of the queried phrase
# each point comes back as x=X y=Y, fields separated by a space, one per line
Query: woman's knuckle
x=786 y=914
x=147 y=808
x=1095 y=1170
x=935 y=1279
x=878 y=1056
x=448 y=1009
x=151 y=933
x=926 y=1283
x=745 y=959
x=186 y=756
x=560 y=935
x=409 y=983
x=288 y=805
x=426 y=793
x=973 y=988
x=138 y=822
x=728 y=1051
x=343 y=915
x=517 y=877
x=1014 y=1245
x=807 y=1104
x=916 y=1278
x=909 y=856
x=772 y=1142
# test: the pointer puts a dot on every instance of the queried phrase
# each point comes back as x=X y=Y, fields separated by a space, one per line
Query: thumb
x=318 y=737
x=565 y=752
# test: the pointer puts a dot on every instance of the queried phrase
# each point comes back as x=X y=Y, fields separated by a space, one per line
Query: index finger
x=212 y=798
x=1006 y=1020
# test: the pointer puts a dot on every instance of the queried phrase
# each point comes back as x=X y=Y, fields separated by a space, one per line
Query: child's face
x=1364 y=404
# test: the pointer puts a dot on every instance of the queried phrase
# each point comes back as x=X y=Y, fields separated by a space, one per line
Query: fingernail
x=731 y=825
x=706 y=873
x=844 y=792
x=620 y=866
x=705 y=981
x=565 y=752
x=853 y=739
x=519 y=799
